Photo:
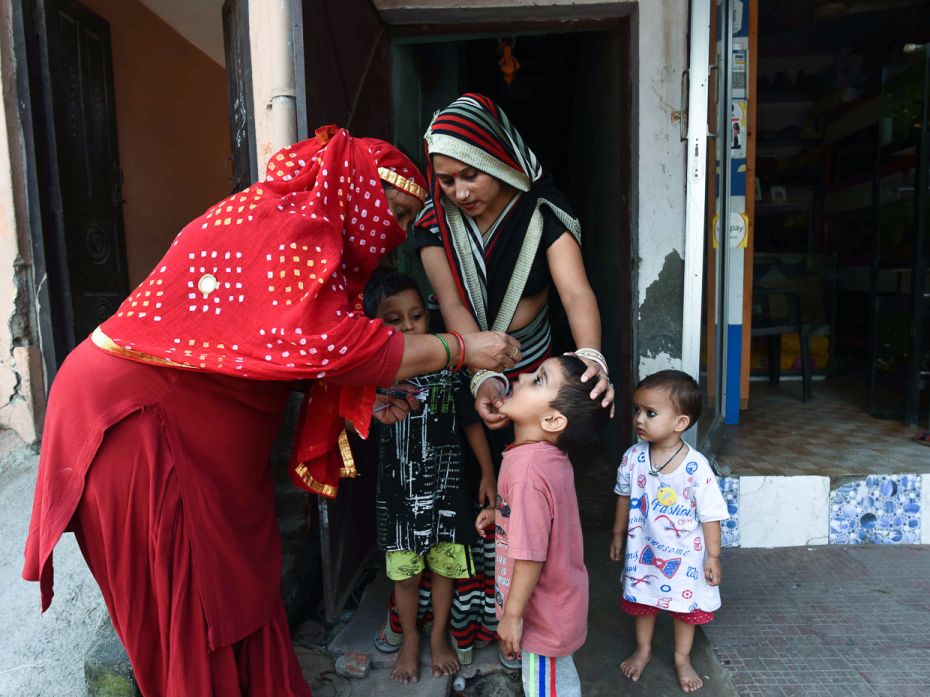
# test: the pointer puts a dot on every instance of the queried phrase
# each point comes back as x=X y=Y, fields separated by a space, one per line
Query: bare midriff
x=527 y=309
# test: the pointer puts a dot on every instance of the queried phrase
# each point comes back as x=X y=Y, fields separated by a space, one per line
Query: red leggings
x=637 y=610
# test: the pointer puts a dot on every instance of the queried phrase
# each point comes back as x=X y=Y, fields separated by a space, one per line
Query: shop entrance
x=839 y=247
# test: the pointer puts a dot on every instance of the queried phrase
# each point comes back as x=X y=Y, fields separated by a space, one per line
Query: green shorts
x=444 y=558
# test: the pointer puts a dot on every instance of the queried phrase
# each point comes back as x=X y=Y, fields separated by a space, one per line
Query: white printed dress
x=664 y=562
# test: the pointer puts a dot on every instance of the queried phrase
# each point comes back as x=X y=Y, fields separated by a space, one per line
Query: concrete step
x=791 y=511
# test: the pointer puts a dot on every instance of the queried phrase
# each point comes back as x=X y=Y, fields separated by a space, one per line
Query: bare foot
x=633 y=666
x=407 y=665
x=445 y=660
x=688 y=678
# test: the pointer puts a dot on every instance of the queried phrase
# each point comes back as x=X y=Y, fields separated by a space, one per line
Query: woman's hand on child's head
x=603 y=388
x=484 y=521
x=713 y=572
x=489 y=399
x=616 y=547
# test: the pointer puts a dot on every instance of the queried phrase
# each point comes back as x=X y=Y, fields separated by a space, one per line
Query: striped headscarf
x=476 y=131
x=490 y=268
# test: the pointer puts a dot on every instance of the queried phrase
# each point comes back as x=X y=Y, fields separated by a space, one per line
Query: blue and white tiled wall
x=879 y=509
x=797 y=511
x=729 y=528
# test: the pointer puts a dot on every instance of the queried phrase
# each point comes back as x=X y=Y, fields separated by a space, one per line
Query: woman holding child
x=493 y=237
x=159 y=426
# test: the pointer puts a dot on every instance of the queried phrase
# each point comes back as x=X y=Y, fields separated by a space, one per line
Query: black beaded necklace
x=653 y=470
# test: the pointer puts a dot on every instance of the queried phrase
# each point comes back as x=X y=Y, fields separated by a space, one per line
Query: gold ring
x=513 y=356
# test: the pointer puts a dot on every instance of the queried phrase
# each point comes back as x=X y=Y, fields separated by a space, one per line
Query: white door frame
x=698 y=75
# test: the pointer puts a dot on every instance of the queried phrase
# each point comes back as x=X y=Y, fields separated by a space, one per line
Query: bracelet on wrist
x=445 y=345
x=481 y=376
x=461 y=362
x=593 y=355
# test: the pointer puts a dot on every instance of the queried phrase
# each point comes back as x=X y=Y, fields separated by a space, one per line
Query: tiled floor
x=828 y=621
x=831 y=435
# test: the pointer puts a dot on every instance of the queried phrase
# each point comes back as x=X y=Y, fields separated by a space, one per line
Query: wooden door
x=89 y=230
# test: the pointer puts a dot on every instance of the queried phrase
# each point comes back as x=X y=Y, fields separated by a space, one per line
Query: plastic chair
x=764 y=323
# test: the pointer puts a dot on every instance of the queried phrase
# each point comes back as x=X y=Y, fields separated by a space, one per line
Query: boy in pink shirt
x=542 y=583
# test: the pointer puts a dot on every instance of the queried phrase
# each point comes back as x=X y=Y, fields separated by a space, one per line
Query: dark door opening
x=570 y=102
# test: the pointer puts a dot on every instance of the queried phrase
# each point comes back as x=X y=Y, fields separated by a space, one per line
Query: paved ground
x=828 y=621
x=838 y=621
x=40 y=655
x=610 y=639
x=824 y=621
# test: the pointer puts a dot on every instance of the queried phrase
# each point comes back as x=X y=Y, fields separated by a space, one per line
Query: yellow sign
x=738 y=234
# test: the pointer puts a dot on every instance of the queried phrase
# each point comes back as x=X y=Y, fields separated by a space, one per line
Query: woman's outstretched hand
x=488 y=401
x=603 y=386
x=491 y=351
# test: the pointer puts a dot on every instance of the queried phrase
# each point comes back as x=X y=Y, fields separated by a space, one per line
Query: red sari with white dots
x=157 y=438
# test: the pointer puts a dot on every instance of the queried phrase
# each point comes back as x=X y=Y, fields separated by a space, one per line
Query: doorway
x=570 y=102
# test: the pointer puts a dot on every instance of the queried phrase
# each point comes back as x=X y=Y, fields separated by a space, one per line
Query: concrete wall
x=172 y=126
x=659 y=54
x=661 y=41
x=22 y=391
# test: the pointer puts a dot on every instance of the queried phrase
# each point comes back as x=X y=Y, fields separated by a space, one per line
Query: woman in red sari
x=160 y=425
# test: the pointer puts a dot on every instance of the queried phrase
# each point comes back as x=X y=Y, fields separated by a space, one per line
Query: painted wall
x=172 y=128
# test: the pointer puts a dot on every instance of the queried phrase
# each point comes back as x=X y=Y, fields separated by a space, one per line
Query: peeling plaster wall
x=22 y=392
x=659 y=184
x=659 y=322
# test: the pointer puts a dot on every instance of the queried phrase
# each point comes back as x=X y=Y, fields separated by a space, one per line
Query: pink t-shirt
x=537 y=520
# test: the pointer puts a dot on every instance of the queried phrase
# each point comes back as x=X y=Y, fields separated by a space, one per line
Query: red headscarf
x=268 y=283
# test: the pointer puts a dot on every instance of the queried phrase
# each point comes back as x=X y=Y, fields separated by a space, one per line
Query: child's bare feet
x=688 y=678
x=407 y=665
x=633 y=666
x=445 y=660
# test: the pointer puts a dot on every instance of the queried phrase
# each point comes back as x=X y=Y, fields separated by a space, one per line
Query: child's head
x=552 y=404
x=666 y=404
x=396 y=299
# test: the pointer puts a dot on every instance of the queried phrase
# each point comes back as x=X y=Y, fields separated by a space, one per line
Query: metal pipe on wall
x=283 y=102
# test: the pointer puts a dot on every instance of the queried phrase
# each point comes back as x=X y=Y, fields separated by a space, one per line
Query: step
x=791 y=511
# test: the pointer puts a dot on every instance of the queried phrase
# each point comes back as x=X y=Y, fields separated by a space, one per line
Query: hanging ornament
x=508 y=63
